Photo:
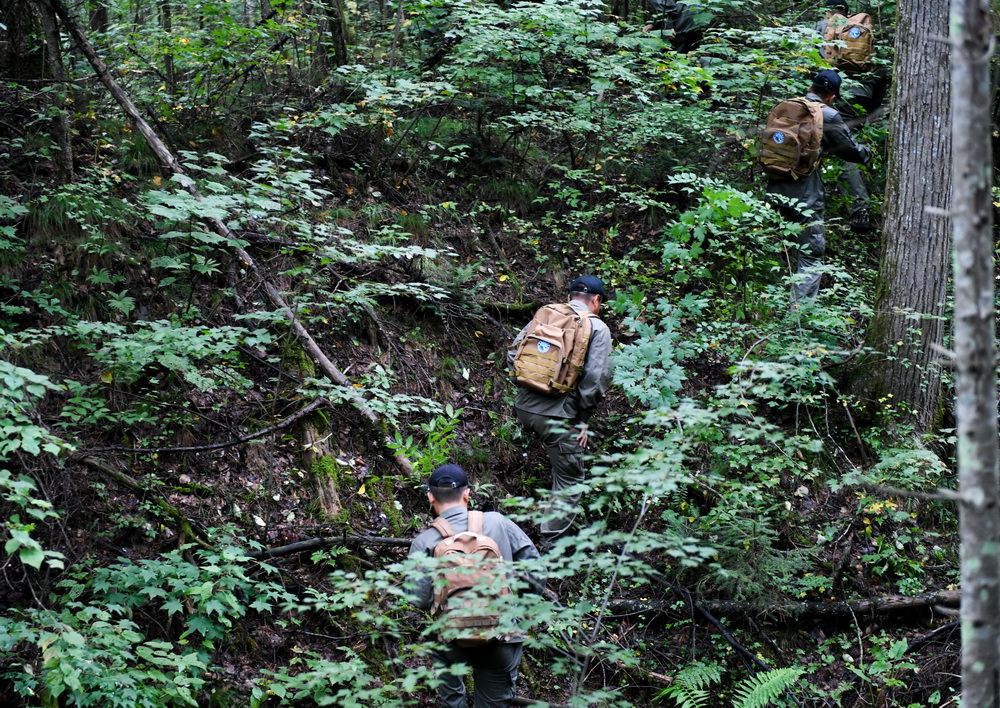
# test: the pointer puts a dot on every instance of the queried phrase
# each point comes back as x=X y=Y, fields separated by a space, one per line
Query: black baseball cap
x=828 y=81
x=448 y=477
x=837 y=4
x=588 y=284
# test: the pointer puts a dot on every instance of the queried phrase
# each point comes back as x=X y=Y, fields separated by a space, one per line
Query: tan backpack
x=855 y=42
x=469 y=583
x=791 y=141
x=550 y=356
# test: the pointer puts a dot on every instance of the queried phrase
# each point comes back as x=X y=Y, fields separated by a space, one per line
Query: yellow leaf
x=502 y=278
x=157 y=180
x=106 y=377
x=362 y=490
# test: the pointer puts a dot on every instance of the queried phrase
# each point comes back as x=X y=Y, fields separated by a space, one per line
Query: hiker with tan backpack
x=561 y=363
x=850 y=48
x=475 y=555
x=798 y=133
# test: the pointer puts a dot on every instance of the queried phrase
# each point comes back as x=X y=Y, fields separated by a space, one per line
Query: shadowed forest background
x=238 y=332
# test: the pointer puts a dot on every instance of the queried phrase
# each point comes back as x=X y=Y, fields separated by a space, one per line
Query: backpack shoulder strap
x=816 y=108
x=443 y=527
x=476 y=522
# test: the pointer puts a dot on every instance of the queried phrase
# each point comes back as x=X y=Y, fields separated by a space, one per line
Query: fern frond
x=685 y=696
x=760 y=690
x=699 y=674
x=690 y=684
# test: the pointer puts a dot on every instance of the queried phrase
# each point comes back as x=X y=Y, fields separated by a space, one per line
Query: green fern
x=761 y=690
x=690 y=684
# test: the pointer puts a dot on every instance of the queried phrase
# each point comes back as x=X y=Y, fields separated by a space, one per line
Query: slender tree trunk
x=339 y=30
x=167 y=22
x=913 y=273
x=975 y=350
x=60 y=124
x=99 y=18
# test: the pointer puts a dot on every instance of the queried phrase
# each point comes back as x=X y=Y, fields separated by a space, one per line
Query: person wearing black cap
x=865 y=91
x=807 y=192
x=561 y=421
x=494 y=665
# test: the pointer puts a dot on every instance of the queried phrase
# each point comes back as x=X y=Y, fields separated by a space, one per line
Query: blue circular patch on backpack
x=543 y=347
x=855 y=32
x=778 y=137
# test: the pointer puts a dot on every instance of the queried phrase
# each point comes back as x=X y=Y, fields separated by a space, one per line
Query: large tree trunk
x=60 y=125
x=913 y=274
x=975 y=351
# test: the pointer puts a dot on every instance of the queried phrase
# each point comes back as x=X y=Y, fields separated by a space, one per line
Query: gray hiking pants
x=494 y=674
x=852 y=186
x=558 y=435
x=812 y=246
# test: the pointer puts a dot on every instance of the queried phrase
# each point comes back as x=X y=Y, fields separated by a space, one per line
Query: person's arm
x=522 y=549
x=596 y=377
x=837 y=140
x=659 y=15
x=419 y=582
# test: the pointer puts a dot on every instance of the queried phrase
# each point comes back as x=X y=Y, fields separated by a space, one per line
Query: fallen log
x=314 y=544
x=171 y=164
x=869 y=607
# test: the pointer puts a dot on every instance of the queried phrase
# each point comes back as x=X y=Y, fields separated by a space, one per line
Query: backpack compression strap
x=476 y=522
x=443 y=527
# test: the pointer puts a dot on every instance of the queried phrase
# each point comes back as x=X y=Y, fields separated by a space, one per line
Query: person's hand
x=581 y=439
x=648 y=28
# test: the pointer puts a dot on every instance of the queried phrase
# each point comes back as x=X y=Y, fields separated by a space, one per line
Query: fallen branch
x=228 y=443
x=313 y=544
x=171 y=164
x=803 y=610
x=184 y=525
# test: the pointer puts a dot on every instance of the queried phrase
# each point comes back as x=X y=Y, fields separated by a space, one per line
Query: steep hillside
x=242 y=324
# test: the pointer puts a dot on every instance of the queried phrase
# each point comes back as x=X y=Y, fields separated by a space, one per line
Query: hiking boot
x=861 y=222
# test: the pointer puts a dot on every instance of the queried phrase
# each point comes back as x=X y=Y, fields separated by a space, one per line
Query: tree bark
x=167 y=23
x=913 y=273
x=339 y=30
x=60 y=124
x=975 y=351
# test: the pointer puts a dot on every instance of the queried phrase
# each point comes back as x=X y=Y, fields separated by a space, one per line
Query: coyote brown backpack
x=855 y=42
x=790 y=142
x=550 y=356
x=468 y=583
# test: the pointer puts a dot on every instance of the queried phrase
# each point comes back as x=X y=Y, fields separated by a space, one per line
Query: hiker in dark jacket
x=808 y=191
x=678 y=23
x=865 y=91
x=560 y=421
x=494 y=665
